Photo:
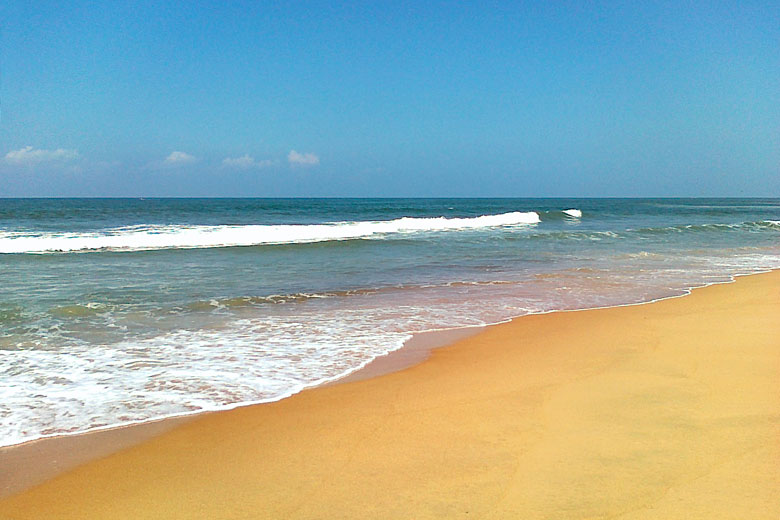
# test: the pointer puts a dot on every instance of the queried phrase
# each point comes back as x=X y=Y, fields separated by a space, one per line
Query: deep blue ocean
x=123 y=310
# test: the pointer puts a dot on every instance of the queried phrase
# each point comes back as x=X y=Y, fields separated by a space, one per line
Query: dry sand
x=667 y=410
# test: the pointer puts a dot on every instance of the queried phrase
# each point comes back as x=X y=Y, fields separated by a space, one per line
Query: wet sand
x=665 y=410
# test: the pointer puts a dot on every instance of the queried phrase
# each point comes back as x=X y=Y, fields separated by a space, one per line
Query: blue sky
x=390 y=99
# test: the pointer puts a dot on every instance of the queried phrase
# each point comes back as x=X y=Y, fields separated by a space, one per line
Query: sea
x=118 y=311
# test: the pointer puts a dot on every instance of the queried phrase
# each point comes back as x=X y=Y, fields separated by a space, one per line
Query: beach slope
x=665 y=410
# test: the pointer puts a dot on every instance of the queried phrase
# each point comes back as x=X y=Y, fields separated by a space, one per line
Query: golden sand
x=667 y=410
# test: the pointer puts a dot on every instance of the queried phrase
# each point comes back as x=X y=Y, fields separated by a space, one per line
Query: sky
x=517 y=99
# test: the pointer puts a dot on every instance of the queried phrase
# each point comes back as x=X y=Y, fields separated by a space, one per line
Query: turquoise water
x=122 y=310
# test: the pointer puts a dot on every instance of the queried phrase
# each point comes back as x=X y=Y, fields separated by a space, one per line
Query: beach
x=389 y=261
x=664 y=410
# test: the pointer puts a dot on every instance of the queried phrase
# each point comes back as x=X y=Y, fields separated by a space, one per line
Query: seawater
x=115 y=311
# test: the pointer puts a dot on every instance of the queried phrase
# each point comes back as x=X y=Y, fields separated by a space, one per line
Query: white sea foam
x=256 y=358
x=573 y=213
x=140 y=238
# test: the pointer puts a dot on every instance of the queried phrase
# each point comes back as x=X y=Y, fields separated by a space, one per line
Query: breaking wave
x=144 y=238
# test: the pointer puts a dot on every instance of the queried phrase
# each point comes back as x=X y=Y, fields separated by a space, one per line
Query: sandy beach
x=379 y=260
x=665 y=410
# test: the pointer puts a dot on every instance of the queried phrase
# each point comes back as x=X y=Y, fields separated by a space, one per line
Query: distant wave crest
x=144 y=238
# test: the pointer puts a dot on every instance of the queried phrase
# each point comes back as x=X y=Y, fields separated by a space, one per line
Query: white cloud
x=29 y=156
x=178 y=159
x=245 y=162
x=302 y=159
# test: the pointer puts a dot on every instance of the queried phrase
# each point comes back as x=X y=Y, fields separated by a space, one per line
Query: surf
x=145 y=238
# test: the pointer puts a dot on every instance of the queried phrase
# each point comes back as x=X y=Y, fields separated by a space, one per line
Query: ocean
x=115 y=311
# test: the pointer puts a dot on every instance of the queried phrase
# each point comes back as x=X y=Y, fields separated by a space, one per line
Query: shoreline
x=667 y=410
x=64 y=452
x=67 y=451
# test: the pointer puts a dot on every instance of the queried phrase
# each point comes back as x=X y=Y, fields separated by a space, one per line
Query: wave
x=566 y=215
x=760 y=225
x=144 y=238
x=247 y=301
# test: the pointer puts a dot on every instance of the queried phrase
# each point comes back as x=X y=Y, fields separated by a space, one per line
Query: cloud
x=245 y=162
x=178 y=159
x=302 y=159
x=29 y=156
